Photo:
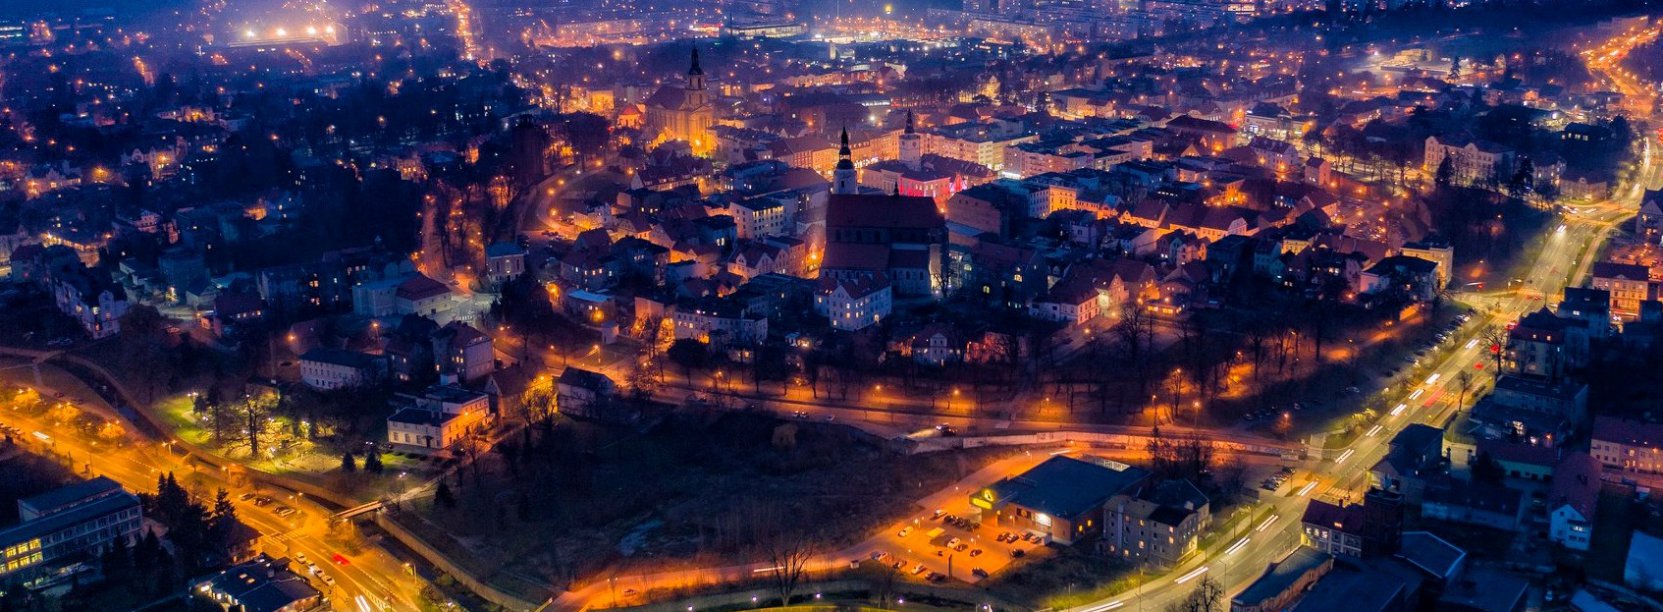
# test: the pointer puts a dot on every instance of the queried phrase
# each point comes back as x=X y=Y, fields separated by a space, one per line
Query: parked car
x=918 y=569
x=979 y=573
x=905 y=531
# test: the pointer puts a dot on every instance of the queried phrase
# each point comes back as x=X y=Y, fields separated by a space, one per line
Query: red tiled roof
x=891 y=211
x=421 y=287
x=1628 y=433
x=1576 y=483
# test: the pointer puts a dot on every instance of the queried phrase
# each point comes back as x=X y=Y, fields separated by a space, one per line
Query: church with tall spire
x=888 y=237
x=682 y=112
x=845 y=179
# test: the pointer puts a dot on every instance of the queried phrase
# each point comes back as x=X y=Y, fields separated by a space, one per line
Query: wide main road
x=371 y=580
x=1568 y=252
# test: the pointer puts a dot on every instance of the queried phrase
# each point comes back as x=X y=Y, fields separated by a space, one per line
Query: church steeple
x=844 y=178
x=695 y=73
x=911 y=145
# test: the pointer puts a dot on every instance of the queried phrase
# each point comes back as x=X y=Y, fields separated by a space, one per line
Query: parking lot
x=917 y=547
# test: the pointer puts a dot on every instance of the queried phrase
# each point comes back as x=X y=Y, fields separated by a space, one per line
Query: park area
x=565 y=502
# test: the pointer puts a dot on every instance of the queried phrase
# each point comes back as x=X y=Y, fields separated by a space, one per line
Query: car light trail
x=764 y=570
x=1268 y=522
x=1417 y=393
x=1306 y=490
x=1399 y=409
x=1471 y=343
x=1345 y=455
x=42 y=437
x=1374 y=431
x=1433 y=378
x=1235 y=547
x=1105 y=607
x=1191 y=576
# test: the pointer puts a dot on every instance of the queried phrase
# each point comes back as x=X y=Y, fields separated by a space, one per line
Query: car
x=327 y=579
x=953 y=543
x=313 y=569
x=1018 y=554
x=934 y=577
x=898 y=564
x=830 y=418
x=918 y=569
x=284 y=511
x=938 y=513
x=339 y=560
x=976 y=552
x=246 y=496
x=905 y=531
x=878 y=555
x=979 y=573
x=261 y=500
x=800 y=415
x=961 y=547
x=301 y=557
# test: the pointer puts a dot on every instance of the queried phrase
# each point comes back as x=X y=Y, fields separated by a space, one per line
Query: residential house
x=463 y=353
x=585 y=394
x=262 y=584
x=438 y=418
x=1629 y=285
x=1374 y=526
x=1631 y=451
x=1536 y=346
x=504 y=261
x=1413 y=457
x=420 y=295
x=1159 y=524
x=1474 y=161
x=853 y=304
x=325 y=369
x=1571 y=501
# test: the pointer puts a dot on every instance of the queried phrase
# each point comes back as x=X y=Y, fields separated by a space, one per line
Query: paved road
x=373 y=574
x=1565 y=258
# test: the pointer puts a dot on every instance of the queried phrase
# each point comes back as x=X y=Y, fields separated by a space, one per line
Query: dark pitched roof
x=885 y=211
x=1067 y=487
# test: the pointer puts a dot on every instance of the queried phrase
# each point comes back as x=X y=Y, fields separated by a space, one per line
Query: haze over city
x=991 y=305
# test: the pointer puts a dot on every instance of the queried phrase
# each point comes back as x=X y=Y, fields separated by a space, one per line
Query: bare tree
x=788 y=557
x=257 y=408
x=1495 y=339
x=1463 y=385
x=1208 y=596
